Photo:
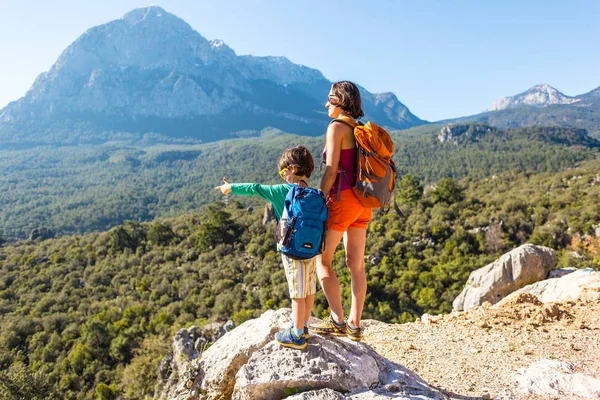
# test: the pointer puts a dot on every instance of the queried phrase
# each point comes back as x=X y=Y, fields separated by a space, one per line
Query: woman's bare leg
x=355 y=240
x=327 y=277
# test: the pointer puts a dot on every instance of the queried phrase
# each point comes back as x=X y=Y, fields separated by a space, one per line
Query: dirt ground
x=475 y=354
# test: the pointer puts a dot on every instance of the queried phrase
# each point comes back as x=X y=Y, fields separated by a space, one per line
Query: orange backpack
x=375 y=169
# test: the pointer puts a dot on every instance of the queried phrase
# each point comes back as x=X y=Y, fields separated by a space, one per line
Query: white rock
x=583 y=284
x=520 y=267
x=554 y=378
x=323 y=394
x=335 y=364
x=338 y=364
x=214 y=372
x=247 y=363
x=224 y=358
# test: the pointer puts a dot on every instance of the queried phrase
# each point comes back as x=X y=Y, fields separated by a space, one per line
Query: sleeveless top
x=348 y=164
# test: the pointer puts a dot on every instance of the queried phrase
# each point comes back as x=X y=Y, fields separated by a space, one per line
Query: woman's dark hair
x=349 y=95
x=298 y=157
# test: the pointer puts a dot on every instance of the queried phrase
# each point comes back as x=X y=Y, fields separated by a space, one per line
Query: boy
x=296 y=166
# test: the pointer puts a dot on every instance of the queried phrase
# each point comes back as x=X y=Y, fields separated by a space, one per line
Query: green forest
x=91 y=316
x=76 y=189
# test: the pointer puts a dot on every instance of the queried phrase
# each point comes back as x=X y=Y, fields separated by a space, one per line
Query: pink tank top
x=348 y=164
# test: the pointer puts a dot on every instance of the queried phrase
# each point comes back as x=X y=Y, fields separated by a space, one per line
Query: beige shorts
x=301 y=276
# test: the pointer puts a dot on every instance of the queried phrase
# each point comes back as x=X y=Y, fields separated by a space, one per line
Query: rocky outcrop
x=269 y=214
x=555 y=378
x=583 y=284
x=522 y=266
x=247 y=363
x=468 y=132
x=41 y=234
x=188 y=345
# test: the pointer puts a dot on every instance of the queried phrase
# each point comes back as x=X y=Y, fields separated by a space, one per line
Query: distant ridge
x=542 y=105
x=539 y=96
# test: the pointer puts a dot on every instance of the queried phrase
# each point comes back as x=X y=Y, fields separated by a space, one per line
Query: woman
x=348 y=219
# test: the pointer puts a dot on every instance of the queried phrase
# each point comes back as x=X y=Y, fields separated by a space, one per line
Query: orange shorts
x=347 y=213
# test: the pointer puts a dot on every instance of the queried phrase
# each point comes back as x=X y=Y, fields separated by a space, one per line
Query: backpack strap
x=398 y=211
x=346 y=121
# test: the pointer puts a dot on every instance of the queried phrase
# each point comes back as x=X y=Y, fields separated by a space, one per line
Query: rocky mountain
x=151 y=72
x=538 y=96
x=542 y=105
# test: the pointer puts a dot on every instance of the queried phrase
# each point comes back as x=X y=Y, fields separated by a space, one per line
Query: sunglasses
x=282 y=172
x=333 y=100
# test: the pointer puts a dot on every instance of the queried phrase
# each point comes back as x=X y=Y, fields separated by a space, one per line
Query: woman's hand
x=225 y=188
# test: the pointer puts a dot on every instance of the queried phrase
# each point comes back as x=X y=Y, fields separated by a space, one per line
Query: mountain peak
x=543 y=87
x=145 y=13
x=541 y=95
x=154 y=16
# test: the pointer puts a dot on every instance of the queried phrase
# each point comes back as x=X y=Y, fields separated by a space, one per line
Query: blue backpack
x=302 y=229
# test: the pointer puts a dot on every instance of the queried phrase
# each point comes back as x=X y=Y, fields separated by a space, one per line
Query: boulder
x=322 y=394
x=522 y=266
x=183 y=348
x=214 y=373
x=555 y=378
x=229 y=326
x=583 y=284
x=329 y=394
x=247 y=363
x=224 y=359
x=216 y=330
x=334 y=364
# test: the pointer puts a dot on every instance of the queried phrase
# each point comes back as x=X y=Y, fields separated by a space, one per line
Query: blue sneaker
x=306 y=334
x=286 y=338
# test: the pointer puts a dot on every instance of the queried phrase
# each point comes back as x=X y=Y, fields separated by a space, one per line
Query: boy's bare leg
x=309 y=301
x=298 y=312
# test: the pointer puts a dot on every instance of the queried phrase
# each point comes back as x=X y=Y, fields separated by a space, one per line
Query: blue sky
x=441 y=58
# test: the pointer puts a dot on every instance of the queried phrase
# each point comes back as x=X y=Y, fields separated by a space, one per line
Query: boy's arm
x=271 y=193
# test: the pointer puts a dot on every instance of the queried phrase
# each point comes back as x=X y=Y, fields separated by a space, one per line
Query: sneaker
x=286 y=338
x=306 y=334
x=328 y=327
x=354 y=333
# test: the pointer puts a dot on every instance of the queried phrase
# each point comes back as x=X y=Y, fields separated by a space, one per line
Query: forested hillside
x=86 y=316
x=87 y=188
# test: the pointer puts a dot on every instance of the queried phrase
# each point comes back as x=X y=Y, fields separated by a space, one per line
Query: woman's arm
x=333 y=145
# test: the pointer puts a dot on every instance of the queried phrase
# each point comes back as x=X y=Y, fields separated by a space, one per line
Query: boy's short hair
x=298 y=157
